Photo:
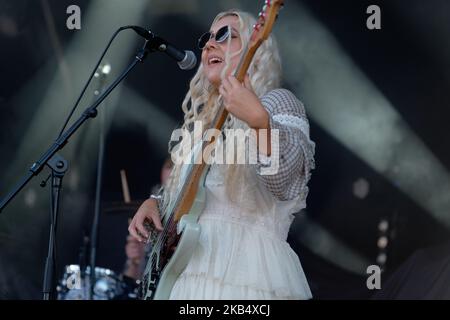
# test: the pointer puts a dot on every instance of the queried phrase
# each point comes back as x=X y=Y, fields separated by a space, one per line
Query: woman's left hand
x=241 y=101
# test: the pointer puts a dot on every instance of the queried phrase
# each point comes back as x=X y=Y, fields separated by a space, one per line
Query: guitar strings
x=170 y=224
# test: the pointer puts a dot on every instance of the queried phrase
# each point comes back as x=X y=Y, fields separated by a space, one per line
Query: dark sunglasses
x=221 y=35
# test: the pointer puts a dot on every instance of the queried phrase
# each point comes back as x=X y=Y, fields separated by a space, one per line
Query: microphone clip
x=152 y=44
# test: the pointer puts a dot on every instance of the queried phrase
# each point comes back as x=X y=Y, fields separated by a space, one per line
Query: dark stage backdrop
x=332 y=62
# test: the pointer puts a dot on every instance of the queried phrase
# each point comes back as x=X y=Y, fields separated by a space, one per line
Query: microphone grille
x=189 y=62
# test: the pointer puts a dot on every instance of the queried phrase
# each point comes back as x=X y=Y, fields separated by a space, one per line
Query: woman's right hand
x=147 y=213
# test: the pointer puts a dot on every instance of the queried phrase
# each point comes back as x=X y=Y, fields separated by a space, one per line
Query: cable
x=91 y=76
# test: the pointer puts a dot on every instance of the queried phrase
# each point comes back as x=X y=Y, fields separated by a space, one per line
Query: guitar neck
x=191 y=186
x=261 y=32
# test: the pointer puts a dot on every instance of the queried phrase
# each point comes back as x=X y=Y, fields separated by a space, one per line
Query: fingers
x=247 y=82
x=136 y=228
x=234 y=82
x=227 y=84
x=133 y=231
x=139 y=225
x=157 y=221
x=146 y=214
x=222 y=91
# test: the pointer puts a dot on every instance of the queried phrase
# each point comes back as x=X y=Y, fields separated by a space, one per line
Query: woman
x=242 y=252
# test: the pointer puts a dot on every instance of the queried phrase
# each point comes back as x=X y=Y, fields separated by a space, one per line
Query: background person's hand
x=134 y=250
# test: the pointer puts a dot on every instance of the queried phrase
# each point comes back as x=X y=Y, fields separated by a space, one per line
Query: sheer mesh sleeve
x=295 y=151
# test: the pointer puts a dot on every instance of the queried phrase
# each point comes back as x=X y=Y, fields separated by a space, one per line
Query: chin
x=214 y=79
x=215 y=82
x=212 y=73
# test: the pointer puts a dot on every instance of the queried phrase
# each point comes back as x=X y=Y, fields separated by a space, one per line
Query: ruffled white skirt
x=237 y=261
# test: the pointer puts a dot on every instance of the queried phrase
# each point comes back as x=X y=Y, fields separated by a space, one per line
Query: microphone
x=186 y=59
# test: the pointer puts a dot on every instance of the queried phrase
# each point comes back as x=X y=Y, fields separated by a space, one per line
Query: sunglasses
x=221 y=35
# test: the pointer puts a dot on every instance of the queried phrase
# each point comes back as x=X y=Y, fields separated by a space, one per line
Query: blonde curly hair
x=202 y=100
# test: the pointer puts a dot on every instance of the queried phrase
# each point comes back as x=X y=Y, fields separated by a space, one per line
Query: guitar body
x=189 y=230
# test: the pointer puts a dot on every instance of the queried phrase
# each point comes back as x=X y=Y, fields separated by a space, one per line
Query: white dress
x=243 y=253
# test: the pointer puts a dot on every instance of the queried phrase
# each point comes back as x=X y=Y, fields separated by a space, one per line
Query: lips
x=214 y=60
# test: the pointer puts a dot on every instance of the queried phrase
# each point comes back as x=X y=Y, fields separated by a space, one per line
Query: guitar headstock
x=266 y=20
x=261 y=31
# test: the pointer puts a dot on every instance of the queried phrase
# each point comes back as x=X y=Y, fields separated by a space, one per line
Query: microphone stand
x=59 y=165
x=96 y=220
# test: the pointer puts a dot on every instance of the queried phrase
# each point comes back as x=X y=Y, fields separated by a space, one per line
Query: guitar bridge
x=148 y=285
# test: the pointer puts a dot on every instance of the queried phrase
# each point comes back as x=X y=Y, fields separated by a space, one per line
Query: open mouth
x=214 y=60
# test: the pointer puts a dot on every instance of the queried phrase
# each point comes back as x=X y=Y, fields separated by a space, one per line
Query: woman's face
x=212 y=68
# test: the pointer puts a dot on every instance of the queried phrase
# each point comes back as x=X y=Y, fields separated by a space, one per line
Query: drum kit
x=75 y=285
